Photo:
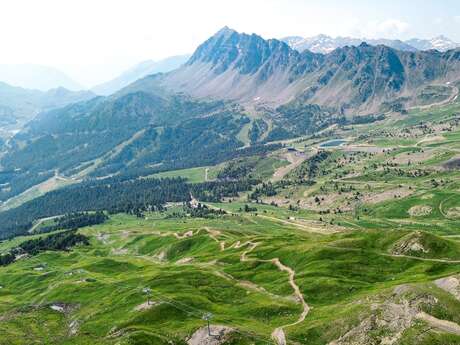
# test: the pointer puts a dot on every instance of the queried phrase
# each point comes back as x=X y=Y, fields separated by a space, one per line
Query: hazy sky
x=93 y=40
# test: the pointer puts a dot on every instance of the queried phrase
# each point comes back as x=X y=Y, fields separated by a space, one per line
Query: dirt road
x=442 y=325
x=294 y=159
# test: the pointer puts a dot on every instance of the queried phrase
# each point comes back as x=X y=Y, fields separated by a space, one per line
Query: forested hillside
x=114 y=195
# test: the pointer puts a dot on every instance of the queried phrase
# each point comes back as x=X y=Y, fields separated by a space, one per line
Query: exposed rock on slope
x=219 y=334
x=389 y=320
x=423 y=244
x=410 y=245
x=238 y=66
x=451 y=285
x=248 y=68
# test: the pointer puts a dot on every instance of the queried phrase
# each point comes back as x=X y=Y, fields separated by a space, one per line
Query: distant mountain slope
x=19 y=105
x=440 y=43
x=139 y=71
x=249 y=69
x=36 y=77
x=326 y=44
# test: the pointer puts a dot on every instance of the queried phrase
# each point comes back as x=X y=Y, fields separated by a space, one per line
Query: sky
x=94 y=40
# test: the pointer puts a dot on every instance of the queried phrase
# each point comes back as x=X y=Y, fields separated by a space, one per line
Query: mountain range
x=27 y=90
x=19 y=105
x=139 y=71
x=353 y=79
x=36 y=77
x=44 y=78
x=325 y=44
x=236 y=94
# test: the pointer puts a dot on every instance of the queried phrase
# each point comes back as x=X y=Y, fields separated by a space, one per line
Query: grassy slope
x=264 y=169
x=193 y=175
x=332 y=271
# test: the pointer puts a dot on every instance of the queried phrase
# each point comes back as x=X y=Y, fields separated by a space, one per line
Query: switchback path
x=278 y=334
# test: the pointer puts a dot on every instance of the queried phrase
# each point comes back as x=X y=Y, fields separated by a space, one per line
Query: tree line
x=59 y=241
x=114 y=195
x=75 y=221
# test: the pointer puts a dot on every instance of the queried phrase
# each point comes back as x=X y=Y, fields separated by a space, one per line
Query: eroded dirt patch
x=294 y=159
x=327 y=201
x=389 y=319
x=408 y=245
x=375 y=198
x=412 y=157
x=420 y=210
x=453 y=212
x=146 y=306
x=450 y=285
x=217 y=335
x=184 y=261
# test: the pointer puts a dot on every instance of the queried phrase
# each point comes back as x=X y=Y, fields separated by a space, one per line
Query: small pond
x=333 y=143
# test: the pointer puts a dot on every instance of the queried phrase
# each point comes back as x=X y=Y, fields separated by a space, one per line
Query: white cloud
x=457 y=19
x=389 y=28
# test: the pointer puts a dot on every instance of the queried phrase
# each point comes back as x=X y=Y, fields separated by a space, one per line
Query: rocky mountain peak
x=244 y=52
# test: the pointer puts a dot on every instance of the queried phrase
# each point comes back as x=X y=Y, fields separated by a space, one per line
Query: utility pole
x=358 y=208
x=148 y=292
x=208 y=317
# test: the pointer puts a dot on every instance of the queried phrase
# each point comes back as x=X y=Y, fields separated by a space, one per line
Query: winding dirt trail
x=278 y=334
x=442 y=325
x=184 y=235
x=445 y=261
x=40 y=222
x=441 y=204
